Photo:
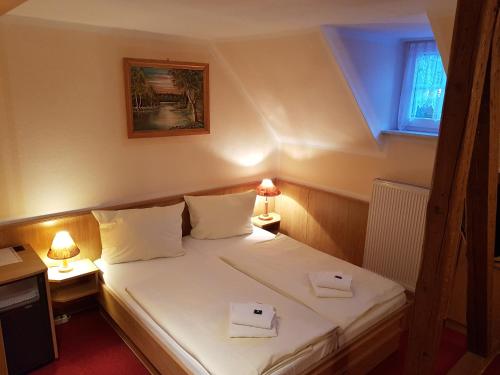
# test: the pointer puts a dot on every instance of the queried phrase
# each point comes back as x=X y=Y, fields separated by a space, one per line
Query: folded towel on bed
x=332 y=280
x=328 y=292
x=252 y=314
x=238 y=330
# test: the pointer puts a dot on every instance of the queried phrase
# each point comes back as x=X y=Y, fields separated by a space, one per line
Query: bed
x=269 y=259
x=184 y=302
x=126 y=297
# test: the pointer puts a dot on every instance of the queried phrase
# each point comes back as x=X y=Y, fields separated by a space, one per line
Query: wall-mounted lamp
x=63 y=247
x=267 y=189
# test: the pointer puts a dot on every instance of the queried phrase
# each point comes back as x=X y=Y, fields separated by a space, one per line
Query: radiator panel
x=395 y=232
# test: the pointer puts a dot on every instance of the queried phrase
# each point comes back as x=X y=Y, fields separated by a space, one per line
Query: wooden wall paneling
x=337 y=225
x=357 y=223
x=39 y=232
x=472 y=36
x=8 y=5
x=39 y=235
x=326 y=221
x=292 y=206
x=327 y=224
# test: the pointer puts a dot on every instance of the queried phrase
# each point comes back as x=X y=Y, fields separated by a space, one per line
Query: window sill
x=407 y=133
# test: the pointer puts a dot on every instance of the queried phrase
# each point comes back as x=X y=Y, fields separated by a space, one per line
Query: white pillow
x=221 y=216
x=141 y=234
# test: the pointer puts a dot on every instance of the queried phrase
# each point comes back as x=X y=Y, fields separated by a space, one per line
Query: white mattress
x=222 y=246
x=119 y=276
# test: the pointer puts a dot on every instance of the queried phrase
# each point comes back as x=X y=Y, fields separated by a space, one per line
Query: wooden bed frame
x=358 y=357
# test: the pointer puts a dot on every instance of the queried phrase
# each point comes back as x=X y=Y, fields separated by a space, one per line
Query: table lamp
x=267 y=189
x=63 y=247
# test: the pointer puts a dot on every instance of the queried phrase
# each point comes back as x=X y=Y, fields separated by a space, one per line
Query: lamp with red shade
x=267 y=189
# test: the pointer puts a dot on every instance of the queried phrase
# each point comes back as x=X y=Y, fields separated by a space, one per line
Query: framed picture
x=166 y=98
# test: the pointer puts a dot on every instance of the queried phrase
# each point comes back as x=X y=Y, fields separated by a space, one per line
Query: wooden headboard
x=324 y=220
x=39 y=232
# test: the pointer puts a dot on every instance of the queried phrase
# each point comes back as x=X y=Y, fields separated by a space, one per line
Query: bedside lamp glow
x=63 y=247
x=267 y=189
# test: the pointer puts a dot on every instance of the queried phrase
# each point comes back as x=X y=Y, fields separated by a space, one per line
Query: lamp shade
x=63 y=247
x=267 y=189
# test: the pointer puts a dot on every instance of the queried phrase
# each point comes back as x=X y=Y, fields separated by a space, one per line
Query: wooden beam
x=8 y=5
x=474 y=24
x=479 y=227
x=481 y=220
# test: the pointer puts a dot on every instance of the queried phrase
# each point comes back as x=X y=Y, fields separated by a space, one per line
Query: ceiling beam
x=474 y=25
x=8 y=5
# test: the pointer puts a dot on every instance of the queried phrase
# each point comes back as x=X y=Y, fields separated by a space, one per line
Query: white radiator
x=395 y=232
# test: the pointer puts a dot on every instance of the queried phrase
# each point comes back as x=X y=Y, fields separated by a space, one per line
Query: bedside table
x=68 y=287
x=27 y=335
x=272 y=225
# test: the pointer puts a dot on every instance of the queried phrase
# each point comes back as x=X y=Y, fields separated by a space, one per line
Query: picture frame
x=166 y=98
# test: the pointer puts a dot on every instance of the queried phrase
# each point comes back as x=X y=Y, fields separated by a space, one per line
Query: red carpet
x=89 y=346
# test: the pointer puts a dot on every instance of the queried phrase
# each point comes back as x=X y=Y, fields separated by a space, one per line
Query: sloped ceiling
x=298 y=86
x=221 y=18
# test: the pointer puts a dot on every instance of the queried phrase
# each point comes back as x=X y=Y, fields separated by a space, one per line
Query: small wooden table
x=71 y=286
x=272 y=225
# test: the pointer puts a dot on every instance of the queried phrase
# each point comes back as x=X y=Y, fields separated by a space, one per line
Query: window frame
x=429 y=126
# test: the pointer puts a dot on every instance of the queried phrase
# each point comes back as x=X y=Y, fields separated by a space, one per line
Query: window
x=422 y=92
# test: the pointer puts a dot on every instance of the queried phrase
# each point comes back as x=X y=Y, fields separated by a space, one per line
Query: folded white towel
x=333 y=280
x=238 y=330
x=252 y=314
x=329 y=292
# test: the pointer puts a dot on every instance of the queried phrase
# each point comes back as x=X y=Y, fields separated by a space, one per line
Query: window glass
x=423 y=89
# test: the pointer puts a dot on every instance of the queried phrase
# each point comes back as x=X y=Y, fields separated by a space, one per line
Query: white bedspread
x=190 y=302
x=283 y=264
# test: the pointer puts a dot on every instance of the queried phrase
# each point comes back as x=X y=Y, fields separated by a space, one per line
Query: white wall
x=63 y=141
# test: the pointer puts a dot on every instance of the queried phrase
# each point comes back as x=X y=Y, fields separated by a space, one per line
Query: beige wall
x=405 y=159
x=325 y=142
x=63 y=143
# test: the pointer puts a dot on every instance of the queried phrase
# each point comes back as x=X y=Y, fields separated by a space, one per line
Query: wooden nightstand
x=272 y=225
x=68 y=287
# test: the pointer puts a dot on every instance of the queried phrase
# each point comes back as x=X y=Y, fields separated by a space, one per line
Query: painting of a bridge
x=166 y=98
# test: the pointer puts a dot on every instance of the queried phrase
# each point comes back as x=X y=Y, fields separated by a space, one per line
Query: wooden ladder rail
x=464 y=101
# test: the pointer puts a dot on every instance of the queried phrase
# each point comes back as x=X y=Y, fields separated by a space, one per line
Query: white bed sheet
x=220 y=247
x=118 y=276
